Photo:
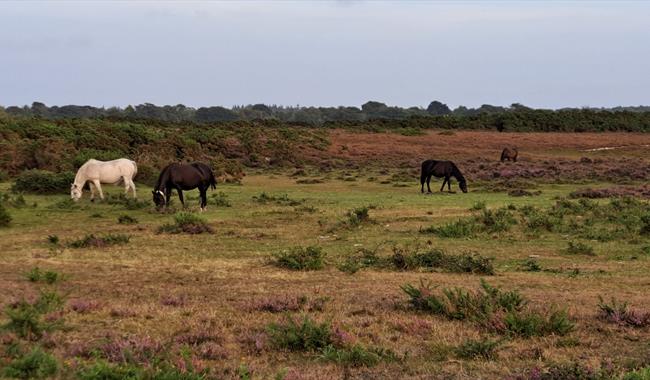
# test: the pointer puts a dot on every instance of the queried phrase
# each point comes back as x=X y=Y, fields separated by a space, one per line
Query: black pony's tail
x=424 y=173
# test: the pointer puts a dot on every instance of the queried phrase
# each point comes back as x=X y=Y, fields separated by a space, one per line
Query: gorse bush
x=282 y=200
x=461 y=228
x=357 y=355
x=220 y=199
x=490 y=308
x=186 y=222
x=437 y=259
x=300 y=335
x=36 y=364
x=43 y=182
x=358 y=216
x=37 y=275
x=26 y=319
x=92 y=241
x=299 y=258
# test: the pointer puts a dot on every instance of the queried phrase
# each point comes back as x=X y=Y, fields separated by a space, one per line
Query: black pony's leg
x=449 y=185
x=443 y=183
x=428 y=182
x=180 y=196
x=168 y=195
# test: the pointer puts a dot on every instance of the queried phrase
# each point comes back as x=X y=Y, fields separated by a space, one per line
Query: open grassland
x=231 y=300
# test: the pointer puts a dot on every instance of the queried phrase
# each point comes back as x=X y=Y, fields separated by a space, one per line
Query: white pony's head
x=75 y=192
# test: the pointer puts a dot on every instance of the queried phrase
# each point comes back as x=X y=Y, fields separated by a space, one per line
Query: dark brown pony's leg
x=204 y=197
x=449 y=185
x=428 y=181
x=443 y=183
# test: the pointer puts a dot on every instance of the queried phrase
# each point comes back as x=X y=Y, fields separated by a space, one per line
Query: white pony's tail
x=135 y=169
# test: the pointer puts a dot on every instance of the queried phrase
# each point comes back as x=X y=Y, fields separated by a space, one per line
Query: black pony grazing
x=509 y=154
x=183 y=177
x=440 y=169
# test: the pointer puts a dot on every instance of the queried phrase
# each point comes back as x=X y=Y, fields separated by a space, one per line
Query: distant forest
x=371 y=115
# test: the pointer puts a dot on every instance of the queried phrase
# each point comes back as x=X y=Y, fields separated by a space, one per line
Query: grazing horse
x=183 y=177
x=440 y=169
x=97 y=172
x=509 y=154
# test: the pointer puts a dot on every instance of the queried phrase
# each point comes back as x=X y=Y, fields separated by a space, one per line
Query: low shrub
x=299 y=258
x=478 y=206
x=478 y=349
x=5 y=217
x=186 y=222
x=53 y=239
x=300 y=335
x=43 y=182
x=495 y=221
x=579 y=248
x=92 y=241
x=36 y=364
x=126 y=219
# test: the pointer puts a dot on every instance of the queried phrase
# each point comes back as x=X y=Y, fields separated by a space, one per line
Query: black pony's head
x=158 y=198
x=462 y=183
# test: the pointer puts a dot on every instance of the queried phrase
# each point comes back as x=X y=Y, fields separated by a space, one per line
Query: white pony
x=97 y=172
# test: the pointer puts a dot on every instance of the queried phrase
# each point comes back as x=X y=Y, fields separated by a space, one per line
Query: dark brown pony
x=441 y=169
x=509 y=154
x=183 y=177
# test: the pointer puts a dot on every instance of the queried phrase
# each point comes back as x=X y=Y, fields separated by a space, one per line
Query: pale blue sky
x=329 y=53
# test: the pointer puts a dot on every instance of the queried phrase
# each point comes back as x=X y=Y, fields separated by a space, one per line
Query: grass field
x=210 y=300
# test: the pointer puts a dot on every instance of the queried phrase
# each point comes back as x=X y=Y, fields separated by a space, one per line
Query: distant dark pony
x=441 y=169
x=183 y=177
x=509 y=154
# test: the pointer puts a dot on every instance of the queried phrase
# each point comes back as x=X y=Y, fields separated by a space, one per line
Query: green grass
x=220 y=271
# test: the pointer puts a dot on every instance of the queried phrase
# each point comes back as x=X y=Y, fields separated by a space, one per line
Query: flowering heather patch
x=642 y=191
x=122 y=312
x=621 y=314
x=174 y=300
x=277 y=304
x=255 y=341
x=416 y=326
x=194 y=338
x=83 y=306
x=212 y=351
x=134 y=348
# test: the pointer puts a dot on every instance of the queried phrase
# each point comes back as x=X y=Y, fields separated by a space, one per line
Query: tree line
x=370 y=116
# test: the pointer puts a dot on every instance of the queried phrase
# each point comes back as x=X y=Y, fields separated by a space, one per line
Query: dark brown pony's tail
x=213 y=181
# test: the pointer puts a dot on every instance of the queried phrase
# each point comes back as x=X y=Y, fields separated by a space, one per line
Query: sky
x=325 y=53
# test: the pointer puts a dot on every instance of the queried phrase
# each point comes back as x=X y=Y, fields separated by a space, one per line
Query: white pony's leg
x=132 y=184
x=92 y=191
x=99 y=188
